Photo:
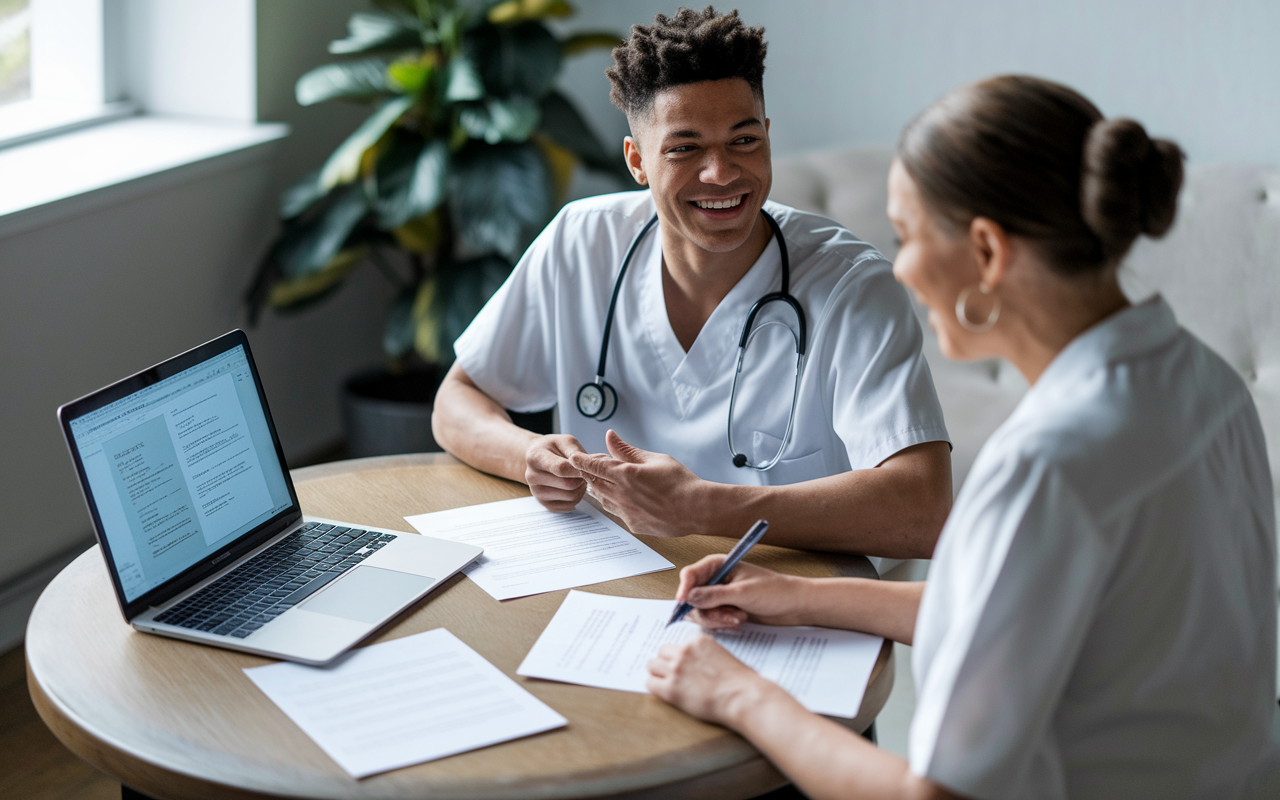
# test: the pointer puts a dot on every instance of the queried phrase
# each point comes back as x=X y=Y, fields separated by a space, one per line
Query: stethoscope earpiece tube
x=598 y=400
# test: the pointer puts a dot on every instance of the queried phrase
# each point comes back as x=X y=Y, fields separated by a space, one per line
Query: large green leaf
x=562 y=123
x=510 y=11
x=365 y=79
x=521 y=59
x=498 y=120
x=302 y=195
x=344 y=164
x=411 y=179
x=309 y=245
x=410 y=75
x=461 y=289
x=500 y=195
x=583 y=42
x=299 y=293
x=465 y=82
x=378 y=30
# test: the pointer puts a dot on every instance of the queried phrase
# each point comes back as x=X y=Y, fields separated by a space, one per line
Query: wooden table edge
x=118 y=760
x=374 y=463
x=136 y=771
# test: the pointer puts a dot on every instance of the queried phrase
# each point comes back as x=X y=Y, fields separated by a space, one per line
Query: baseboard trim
x=18 y=595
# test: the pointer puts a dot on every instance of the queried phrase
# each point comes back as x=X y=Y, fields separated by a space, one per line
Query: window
x=55 y=70
x=15 y=51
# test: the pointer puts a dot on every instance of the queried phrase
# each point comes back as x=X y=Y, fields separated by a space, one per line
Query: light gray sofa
x=1219 y=267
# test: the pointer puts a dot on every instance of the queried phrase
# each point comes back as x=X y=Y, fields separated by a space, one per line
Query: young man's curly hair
x=690 y=47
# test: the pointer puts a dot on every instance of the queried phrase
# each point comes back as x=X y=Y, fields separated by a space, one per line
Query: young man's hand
x=653 y=493
x=554 y=481
x=750 y=593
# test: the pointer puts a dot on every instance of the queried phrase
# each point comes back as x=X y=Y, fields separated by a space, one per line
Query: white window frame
x=98 y=60
x=76 y=79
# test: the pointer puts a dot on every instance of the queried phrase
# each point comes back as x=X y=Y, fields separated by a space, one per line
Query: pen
x=739 y=550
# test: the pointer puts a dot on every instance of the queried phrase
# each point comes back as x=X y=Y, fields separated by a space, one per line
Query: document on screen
x=154 y=497
x=403 y=702
x=218 y=458
x=530 y=550
x=188 y=476
x=605 y=641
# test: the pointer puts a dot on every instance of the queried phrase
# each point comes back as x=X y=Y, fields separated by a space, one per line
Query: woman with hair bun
x=1100 y=615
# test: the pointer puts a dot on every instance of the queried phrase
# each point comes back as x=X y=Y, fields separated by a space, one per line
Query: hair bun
x=1129 y=184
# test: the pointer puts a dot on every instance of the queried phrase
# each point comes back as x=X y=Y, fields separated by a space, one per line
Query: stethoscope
x=598 y=400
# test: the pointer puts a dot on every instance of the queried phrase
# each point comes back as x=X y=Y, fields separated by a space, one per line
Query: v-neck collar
x=710 y=356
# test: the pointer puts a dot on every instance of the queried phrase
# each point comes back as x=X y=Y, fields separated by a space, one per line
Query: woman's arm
x=883 y=608
x=824 y=759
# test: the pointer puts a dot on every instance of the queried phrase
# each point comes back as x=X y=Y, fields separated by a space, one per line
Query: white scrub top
x=865 y=391
x=1100 y=616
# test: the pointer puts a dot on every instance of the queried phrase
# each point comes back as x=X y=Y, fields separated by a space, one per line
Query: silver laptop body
x=201 y=529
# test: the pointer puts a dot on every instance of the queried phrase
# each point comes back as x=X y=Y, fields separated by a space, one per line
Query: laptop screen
x=180 y=469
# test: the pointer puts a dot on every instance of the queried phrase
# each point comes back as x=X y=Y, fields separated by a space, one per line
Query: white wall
x=841 y=72
x=190 y=58
x=92 y=298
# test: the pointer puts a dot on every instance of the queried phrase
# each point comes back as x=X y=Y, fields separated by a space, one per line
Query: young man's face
x=704 y=153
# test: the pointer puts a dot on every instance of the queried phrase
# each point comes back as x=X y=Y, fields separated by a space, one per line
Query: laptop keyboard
x=275 y=580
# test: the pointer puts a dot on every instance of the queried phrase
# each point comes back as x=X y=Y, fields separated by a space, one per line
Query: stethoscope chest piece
x=597 y=400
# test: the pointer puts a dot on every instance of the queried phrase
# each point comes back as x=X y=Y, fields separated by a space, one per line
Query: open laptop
x=201 y=529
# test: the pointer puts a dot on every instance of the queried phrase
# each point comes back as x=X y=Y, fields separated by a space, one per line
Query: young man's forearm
x=895 y=510
x=474 y=428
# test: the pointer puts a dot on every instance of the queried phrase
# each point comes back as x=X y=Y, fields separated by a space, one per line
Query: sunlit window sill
x=55 y=178
x=29 y=120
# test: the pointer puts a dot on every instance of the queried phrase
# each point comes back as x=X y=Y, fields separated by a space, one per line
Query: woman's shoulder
x=1118 y=432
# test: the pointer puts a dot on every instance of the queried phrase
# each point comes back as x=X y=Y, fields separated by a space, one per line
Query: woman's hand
x=703 y=679
x=751 y=593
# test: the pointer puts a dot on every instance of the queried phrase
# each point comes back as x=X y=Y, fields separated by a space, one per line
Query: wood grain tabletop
x=174 y=719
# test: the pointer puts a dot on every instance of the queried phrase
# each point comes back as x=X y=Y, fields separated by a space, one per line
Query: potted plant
x=467 y=154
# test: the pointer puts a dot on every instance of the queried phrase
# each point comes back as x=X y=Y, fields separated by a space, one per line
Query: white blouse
x=1100 y=616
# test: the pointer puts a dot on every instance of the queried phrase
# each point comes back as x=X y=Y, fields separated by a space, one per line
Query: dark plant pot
x=387 y=413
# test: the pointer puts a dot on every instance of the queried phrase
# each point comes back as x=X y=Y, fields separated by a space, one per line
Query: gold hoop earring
x=962 y=315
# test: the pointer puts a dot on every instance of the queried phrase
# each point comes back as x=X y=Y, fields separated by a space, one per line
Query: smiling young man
x=842 y=448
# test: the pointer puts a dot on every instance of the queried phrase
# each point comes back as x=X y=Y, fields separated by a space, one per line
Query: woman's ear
x=991 y=250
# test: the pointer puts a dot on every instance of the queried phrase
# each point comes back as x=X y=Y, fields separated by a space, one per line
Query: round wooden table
x=173 y=719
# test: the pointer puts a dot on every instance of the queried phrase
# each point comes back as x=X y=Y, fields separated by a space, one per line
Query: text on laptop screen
x=180 y=469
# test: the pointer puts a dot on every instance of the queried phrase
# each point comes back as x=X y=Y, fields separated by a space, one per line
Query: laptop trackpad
x=368 y=594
